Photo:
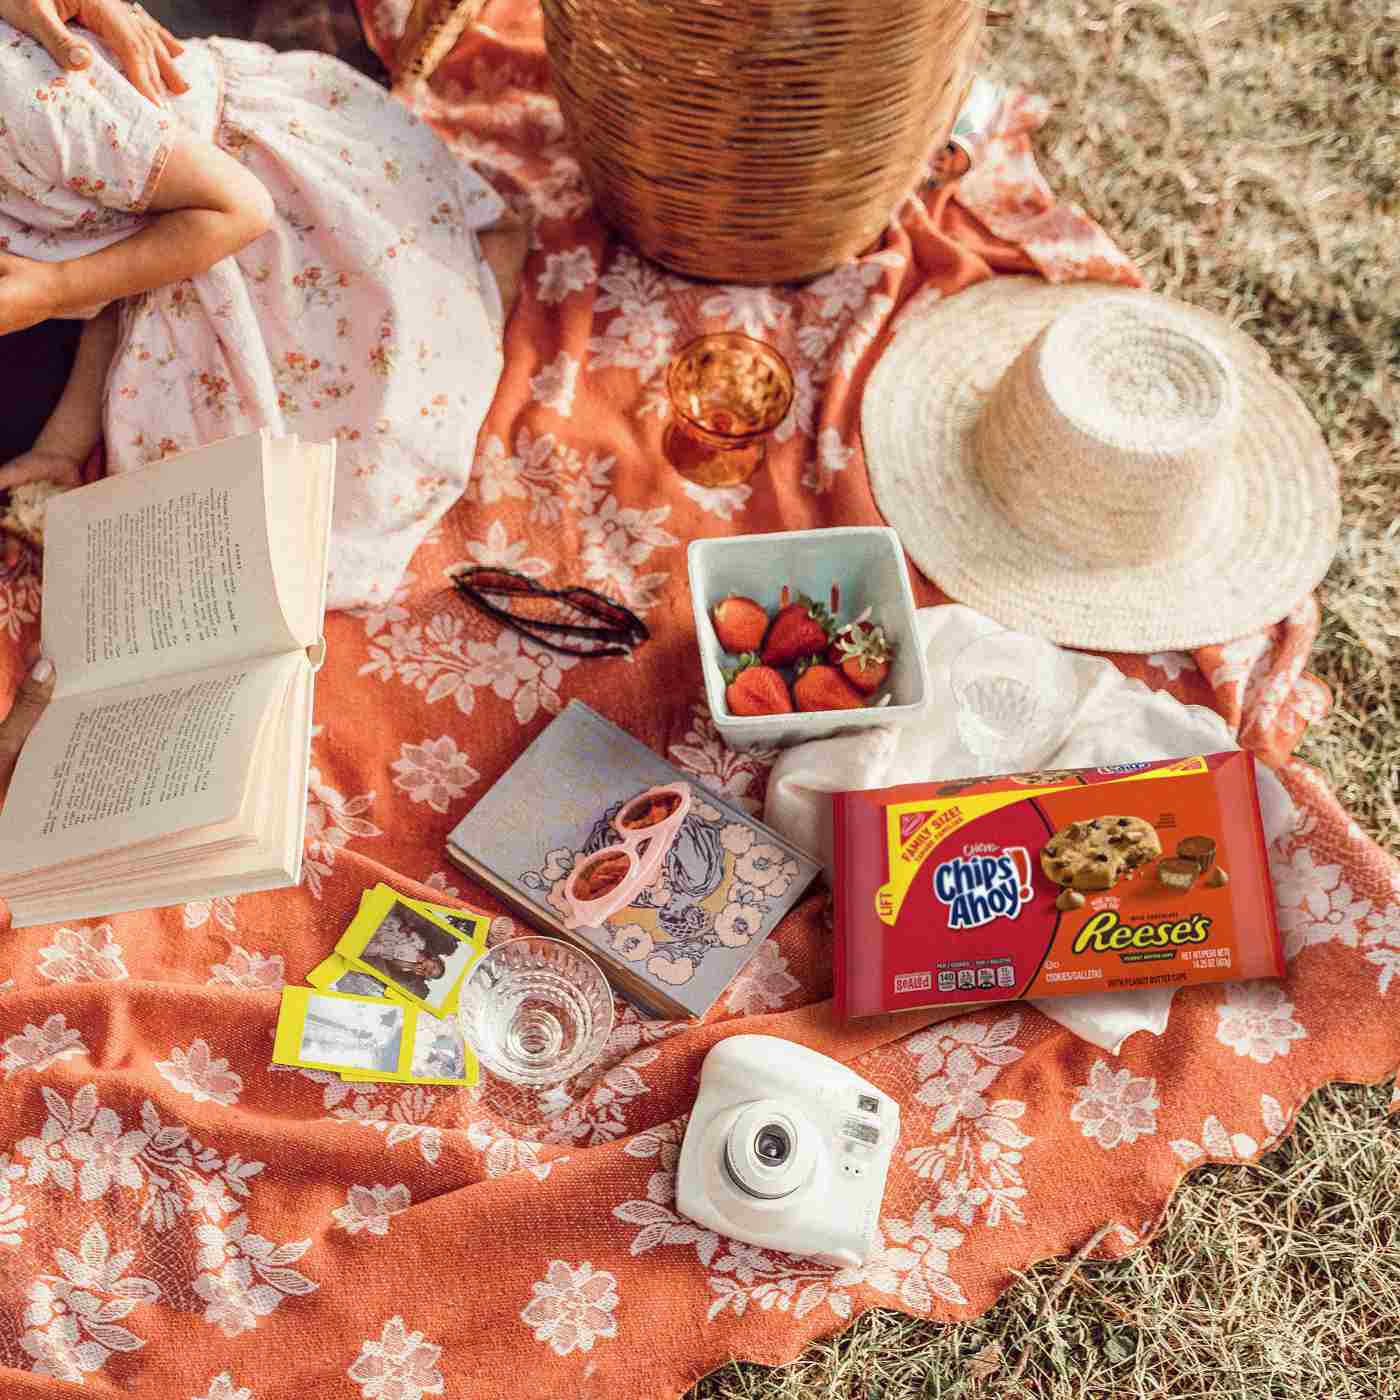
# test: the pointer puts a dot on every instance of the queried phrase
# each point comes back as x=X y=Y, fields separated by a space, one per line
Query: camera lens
x=772 y=1145
x=769 y=1150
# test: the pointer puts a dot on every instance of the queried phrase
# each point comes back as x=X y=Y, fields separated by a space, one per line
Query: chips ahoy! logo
x=980 y=887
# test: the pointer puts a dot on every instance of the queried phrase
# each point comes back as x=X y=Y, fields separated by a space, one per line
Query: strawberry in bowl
x=863 y=652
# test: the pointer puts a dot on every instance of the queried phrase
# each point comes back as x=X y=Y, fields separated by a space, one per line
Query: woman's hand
x=145 y=51
x=34 y=693
x=28 y=292
x=38 y=465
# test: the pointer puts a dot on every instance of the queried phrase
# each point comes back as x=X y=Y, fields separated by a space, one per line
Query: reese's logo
x=1107 y=933
x=980 y=888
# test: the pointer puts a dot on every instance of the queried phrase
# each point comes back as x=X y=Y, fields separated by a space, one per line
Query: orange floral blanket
x=179 y=1219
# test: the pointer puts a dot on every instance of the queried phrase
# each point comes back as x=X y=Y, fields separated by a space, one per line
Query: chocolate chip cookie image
x=1042 y=777
x=1096 y=854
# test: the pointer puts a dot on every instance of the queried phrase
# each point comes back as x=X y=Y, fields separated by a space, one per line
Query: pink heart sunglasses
x=605 y=881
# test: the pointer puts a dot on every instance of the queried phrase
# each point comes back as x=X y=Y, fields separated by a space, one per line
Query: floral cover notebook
x=724 y=883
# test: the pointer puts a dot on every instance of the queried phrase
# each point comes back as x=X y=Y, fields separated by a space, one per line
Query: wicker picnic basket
x=763 y=141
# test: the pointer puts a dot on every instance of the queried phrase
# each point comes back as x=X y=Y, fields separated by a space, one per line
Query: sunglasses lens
x=602 y=876
x=576 y=620
x=649 y=811
x=498 y=581
x=602 y=609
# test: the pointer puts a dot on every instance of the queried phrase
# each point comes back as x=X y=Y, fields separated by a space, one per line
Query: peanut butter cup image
x=1094 y=854
x=1200 y=849
x=1178 y=874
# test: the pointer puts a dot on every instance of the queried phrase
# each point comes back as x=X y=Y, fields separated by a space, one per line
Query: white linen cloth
x=1005 y=702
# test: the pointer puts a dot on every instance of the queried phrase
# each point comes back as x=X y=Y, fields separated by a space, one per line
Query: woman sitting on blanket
x=257 y=240
x=277 y=243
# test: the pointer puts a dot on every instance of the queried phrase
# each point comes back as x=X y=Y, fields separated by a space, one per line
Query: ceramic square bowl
x=868 y=564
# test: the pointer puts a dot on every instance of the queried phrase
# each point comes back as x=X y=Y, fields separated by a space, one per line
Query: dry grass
x=1248 y=155
x=1276 y=1280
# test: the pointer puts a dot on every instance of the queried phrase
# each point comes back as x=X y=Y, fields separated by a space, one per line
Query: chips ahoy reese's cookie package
x=1052 y=884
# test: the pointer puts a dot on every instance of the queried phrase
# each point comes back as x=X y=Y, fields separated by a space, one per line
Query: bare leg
x=506 y=248
x=75 y=426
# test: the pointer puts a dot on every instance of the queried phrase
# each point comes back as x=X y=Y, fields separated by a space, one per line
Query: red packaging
x=1052 y=884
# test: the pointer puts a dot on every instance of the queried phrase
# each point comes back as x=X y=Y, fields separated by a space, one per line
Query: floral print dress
x=365 y=315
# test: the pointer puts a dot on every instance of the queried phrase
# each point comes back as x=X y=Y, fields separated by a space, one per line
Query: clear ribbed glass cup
x=536 y=1011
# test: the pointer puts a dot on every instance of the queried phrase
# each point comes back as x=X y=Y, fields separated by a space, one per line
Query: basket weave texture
x=766 y=141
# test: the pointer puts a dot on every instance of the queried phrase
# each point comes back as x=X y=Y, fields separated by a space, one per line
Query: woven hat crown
x=1109 y=436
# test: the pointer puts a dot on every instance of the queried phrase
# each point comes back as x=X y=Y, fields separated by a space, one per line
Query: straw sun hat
x=1101 y=466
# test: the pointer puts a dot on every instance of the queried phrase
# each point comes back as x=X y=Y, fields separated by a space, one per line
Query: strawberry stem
x=731 y=673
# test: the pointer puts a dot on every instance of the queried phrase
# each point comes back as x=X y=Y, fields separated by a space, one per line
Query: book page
x=107 y=771
x=299 y=486
x=163 y=570
x=203 y=862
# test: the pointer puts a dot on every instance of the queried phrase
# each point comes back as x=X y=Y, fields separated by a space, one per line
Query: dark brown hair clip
x=575 y=621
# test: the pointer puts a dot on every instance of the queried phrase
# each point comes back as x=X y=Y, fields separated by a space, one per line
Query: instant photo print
x=439 y=1055
x=334 y=974
x=329 y=1030
x=418 y=956
x=473 y=927
x=370 y=1038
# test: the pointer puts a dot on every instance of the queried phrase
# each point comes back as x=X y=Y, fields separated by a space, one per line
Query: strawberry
x=822 y=687
x=802 y=628
x=739 y=624
x=862 y=651
x=755 y=689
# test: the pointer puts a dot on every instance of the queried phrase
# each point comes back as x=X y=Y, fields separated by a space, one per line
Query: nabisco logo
x=982 y=884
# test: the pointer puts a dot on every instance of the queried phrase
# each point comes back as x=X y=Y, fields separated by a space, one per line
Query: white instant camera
x=788 y=1150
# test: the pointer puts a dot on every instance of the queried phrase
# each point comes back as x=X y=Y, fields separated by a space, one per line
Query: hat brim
x=1262 y=544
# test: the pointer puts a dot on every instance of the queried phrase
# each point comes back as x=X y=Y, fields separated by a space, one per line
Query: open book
x=182 y=608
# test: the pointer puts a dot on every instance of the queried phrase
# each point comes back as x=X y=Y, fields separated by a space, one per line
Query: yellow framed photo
x=467 y=922
x=413 y=952
x=326 y=971
x=334 y=974
x=370 y=1038
x=439 y=1056
x=319 y=1029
